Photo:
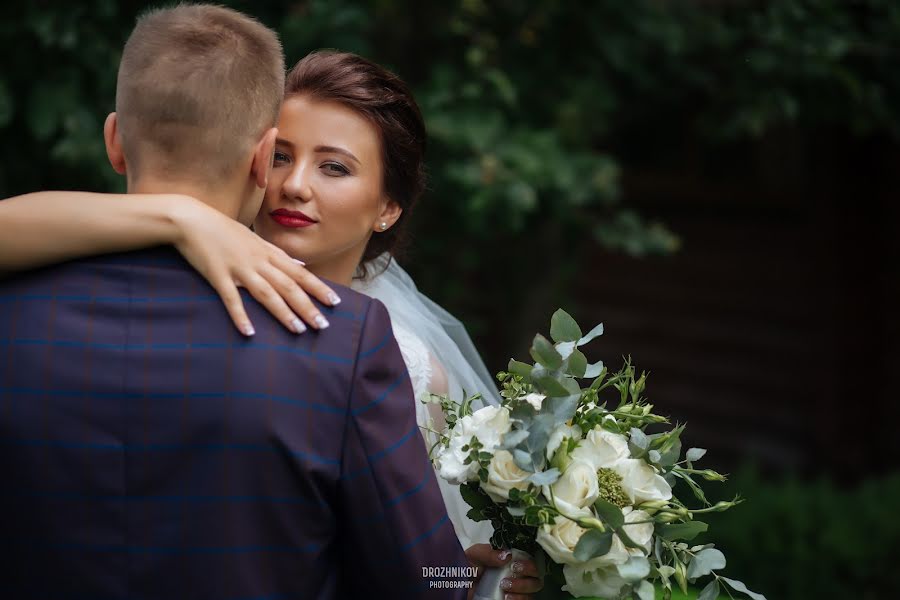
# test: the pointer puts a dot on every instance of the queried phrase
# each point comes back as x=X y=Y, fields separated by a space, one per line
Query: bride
x=348 y=168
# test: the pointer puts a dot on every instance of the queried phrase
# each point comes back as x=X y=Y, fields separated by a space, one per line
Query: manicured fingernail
x=298 y=325
x=517 y=567
x=505 y=554
x=299 y=262
x=506 y=584
x=334 y=298
x=248 y=330
x=321 y=322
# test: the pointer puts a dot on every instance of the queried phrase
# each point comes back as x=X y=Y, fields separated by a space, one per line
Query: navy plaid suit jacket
x=148 y=451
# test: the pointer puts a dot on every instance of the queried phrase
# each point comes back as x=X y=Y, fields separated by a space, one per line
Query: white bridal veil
x=446 y=339
x=443 y=334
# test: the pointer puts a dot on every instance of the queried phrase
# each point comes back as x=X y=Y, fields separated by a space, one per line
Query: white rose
x=503 y=475
x=602 y=448
x=559 y=434
x=559 y=541
x=488 y=424
x=560 y=538
x=586 y=579
x=536 y=400
x=640 y=482
x=576 y=488
x=640 y=533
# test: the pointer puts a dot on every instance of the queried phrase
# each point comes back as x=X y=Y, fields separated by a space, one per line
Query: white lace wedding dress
x=441 y=359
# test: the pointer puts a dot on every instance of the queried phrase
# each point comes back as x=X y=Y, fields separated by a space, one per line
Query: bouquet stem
x=488 y=587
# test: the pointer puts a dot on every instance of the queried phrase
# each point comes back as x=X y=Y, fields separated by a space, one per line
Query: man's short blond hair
x=198 y=85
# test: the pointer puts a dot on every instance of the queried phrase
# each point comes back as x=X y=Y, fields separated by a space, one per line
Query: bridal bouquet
x=584 y=474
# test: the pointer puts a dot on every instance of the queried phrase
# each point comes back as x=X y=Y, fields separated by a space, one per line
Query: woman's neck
x=339 y=270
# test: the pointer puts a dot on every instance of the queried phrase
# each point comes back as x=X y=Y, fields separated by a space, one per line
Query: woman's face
x=325 y=198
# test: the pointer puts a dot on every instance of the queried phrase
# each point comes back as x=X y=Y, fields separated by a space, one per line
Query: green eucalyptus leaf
x=565 y=348
x=610 y=513
x=519 y=368
x=551 y=386
x=644 y=591
x=594 y=370
x=639 y=438
x=710 y=592
x=681 y=531
x=523 y=460
x=694 y=454
x=514 y=438
x=739 y=586
x=545 y=477
x=636 y=569
x=591 y=335
x=559 y=409
x=563 y=327
x=593 y=543
x=705 y=562
x=576 y=364
x=543 y=352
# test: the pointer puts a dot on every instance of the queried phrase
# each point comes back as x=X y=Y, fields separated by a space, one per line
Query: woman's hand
x=229 y=256
x=524 y=581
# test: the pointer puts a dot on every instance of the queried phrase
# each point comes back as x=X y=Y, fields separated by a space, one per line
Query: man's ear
x=389 y=215
x=114 y=143
x=262 y=158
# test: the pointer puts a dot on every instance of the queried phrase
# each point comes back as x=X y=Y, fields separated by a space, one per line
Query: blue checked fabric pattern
x=149 y=451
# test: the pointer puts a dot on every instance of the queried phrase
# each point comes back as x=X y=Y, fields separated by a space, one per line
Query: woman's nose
x=297 y=186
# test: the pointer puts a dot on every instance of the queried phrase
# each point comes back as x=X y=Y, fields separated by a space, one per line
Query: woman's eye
x=335 y=169
x=281 y=157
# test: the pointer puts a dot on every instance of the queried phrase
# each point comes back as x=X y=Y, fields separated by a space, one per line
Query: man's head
x=198 y=94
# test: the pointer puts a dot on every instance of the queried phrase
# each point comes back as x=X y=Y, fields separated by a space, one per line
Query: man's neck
x=224 y=198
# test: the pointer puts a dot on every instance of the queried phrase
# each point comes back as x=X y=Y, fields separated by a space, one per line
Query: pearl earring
x=383 y=226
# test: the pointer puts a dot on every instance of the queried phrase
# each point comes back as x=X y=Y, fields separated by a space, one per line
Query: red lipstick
x=291 y=218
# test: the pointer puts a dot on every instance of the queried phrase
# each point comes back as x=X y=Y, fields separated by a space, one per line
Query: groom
x=149 y=452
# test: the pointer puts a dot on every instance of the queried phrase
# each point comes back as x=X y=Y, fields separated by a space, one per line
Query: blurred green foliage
x=795 y=540
x=533 y=107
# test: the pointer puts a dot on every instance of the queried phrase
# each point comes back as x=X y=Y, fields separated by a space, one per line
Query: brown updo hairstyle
x=385 y=101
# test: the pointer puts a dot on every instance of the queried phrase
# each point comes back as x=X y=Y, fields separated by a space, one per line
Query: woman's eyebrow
x=337 y=150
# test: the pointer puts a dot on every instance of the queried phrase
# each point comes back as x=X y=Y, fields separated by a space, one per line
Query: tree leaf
x=545 y=477
x=639 y=438
x=565 y=348
x=514 y=438
x=550 y=386
x=644 y=591
x=543 y=352
x=563 y=327
x=610 y=513
x=576 y=364
x=592 y=334
x=739 y=586
x=694 y=454
x=637 y=568
x=681 y=531
x=593 y=543
x=593 y=370
x=710 y=592
x=705 y=562
x=523 y=460
x=519 y=368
